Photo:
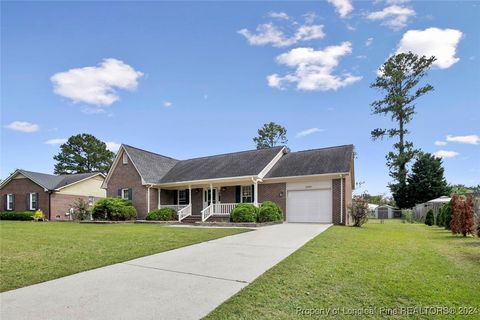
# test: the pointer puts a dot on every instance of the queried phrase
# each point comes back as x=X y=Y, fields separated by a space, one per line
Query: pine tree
x=426 y=182
x=271 y=135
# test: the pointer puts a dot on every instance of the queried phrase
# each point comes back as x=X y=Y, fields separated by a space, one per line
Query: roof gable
x=50 y=181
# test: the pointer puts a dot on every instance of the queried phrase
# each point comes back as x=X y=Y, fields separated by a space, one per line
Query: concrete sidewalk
x=185 y=283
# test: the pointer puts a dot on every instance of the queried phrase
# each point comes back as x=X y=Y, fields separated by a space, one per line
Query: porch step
x=192 y=219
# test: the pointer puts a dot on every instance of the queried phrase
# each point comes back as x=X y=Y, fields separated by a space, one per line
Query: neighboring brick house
x=310 y=186
x=53 y=194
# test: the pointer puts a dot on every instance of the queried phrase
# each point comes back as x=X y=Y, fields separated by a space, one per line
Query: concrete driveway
x=185 y=283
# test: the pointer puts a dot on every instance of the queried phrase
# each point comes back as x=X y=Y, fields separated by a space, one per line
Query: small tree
x=463 y=215
x=271 y=135
x=439 y=221
x=430 y=218
x=83 y=153
x=81 y=209
x=359 y=211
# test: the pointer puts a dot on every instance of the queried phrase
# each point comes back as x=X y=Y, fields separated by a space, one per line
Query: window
x=125 y=193
x=247 y=194
x=10 y=202
x=182 y=196
x=125 y=158
x=33 y=201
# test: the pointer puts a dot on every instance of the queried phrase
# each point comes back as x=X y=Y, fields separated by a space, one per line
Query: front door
x=207 y=197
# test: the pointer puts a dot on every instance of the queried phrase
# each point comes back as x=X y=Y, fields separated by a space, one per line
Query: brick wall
x=271 y=192
x=126 y=176
x=336 y=201
x=20 y=187
x=61 y=204
x=227 y=195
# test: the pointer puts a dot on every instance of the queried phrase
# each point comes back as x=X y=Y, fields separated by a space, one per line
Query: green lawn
x=389 y=265
x=33 y=252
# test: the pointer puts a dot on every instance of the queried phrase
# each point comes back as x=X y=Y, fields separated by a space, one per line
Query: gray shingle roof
x=317 y=161
x=151 y=166
x=52 y=182
x=238 y=164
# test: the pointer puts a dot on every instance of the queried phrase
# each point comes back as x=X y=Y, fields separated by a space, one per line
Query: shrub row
x=17 y=215
x=164 y=214
x=267 y=212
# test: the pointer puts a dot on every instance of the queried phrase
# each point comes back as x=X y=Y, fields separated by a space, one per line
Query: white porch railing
x=185 y=212
x=207 y=213
x=176 y=207
x=223 y=209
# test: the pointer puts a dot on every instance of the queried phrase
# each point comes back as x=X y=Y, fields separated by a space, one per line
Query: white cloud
x=314 y=68
x=271 y=34
x=343 y=7
x=369 y=42
x=113 y=146
x=167 y=104
x=440 y=143
x=471 y=139
x=351 y=28
x=445 y=154
x=279 y=15
x=56 y=141
x=394 y=16
x=441 y=43
x=96 y=85
x=308 y=132
x=23 y=126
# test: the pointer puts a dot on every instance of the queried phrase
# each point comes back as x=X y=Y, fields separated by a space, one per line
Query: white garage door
x=309 y=206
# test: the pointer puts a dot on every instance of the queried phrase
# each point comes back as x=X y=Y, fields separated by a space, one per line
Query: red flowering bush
x=462 y=215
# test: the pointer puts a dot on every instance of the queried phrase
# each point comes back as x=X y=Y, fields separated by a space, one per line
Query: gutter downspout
x=341 y=199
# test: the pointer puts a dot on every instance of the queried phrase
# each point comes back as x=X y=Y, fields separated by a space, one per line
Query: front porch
x=200 y=203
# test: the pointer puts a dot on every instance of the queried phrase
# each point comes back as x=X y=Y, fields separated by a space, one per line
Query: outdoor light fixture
x=280 y=194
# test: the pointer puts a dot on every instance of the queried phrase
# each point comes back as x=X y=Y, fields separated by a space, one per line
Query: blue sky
x=188 y=79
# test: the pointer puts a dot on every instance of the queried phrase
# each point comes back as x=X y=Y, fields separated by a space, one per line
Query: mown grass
x=391 y=265
x=33 y=252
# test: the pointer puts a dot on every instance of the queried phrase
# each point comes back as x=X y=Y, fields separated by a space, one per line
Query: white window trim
x=31 y=200
x=9 y=197
x=183 y=199
x=123 y=193
x=125 y=158
x=242 y=194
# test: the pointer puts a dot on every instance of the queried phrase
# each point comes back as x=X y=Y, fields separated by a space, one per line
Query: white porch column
x=148 y=199
x=189 y=195
x=255 y=194
x=159 y=198
x=211 y=198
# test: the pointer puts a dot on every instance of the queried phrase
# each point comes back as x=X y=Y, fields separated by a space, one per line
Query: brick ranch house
x=309 y=186
x=53 y=194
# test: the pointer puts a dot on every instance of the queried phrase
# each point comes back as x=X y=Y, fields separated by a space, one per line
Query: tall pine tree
x=399 y=77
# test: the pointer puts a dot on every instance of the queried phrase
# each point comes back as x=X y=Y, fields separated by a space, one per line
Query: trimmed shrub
x=114 y=209
x=407 y=216
x=447 y=213
x=164 y=214
x=269 y=211
x=244 y=212
x=429 y=218
x=17 y=215
x=440 y=221
x=463 y=215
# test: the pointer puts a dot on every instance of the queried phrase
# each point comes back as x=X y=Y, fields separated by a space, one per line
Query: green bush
x=244 y=212
x=164 y=214
x=17 y=215
x=114 y=209
x=429 y=218
x=447 y=212
x=440 y=218
x=269 y=211
x=407 y=216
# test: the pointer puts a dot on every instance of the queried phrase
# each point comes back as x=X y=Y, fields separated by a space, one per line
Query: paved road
x=185 y=283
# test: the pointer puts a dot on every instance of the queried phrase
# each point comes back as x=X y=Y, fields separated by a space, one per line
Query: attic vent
x=125 y=158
